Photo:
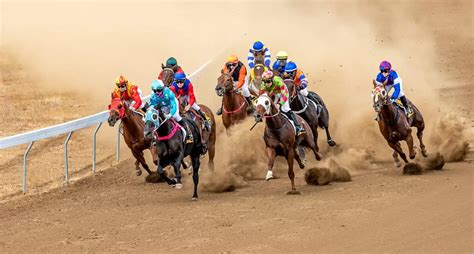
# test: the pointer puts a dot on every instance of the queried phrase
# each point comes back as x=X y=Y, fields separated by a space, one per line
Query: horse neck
x=165 y=128
x=275 y=122
x=131 y=123
x=389 y=113
x=231 y=101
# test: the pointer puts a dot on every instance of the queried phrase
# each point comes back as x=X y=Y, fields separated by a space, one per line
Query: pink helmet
x=385 y=65
x=267 y=75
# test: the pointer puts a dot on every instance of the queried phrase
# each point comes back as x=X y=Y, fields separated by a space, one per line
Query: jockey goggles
x=122 y=85
x=179 y=81
x=267 y=81
x=385 y=71
x=157 y=90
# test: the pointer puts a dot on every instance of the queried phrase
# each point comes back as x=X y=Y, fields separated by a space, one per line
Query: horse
x=234 y=105
x=167 y=75
x=255 y=79
x=313 y=110
x=280 y=138
x=170 y=147
x=208 y=136
x=394 y=124
x=132 y=131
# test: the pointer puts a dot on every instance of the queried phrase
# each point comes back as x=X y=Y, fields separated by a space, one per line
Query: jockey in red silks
x=128 y=92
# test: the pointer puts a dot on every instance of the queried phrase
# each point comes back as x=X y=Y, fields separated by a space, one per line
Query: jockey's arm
x=136 y=98
x=267 y=58
x=172 y=102
x=396 y=85
x=192 y=97
x=251 y=59
x=242 y=74
x=303 y=80
x=283 y=91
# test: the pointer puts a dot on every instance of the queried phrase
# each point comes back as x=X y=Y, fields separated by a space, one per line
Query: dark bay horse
x=171 y=148
x=167 y=75
x=255 y=79
x=234 y=105
x=280 y=138
x=208 y=136
x=395 y=126
x=132 y=131
x=313 y=111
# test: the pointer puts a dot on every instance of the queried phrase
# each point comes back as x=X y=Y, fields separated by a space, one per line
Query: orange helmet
x=121 y=80
x=232 y=59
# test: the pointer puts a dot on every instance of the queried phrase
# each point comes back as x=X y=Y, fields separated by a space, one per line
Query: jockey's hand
x=187 y=108
x=278 y=106
x=132 y=108
x=168 y=116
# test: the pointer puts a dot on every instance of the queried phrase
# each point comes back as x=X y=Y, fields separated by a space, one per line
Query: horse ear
x=222 y=71
x=375 y=83
x=110 y=106
x=162 y=66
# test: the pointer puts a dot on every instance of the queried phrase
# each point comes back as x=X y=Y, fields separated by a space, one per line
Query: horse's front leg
x=411 y=149
x=298 y=158
x=177 y=171
x=196 y=164
x=291 y=173
x=271 y=153
x=160 y=170
x=398 y=148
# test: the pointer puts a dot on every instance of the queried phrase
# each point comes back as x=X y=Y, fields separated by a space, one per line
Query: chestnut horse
x=280 y=138
x=234 y=105
x=208 y=136
x=167 y=75
x=394 y=124
x=312 y=109
x=255 y=79
x=132 y=131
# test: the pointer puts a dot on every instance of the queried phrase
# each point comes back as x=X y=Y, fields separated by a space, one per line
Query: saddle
x=408 y=113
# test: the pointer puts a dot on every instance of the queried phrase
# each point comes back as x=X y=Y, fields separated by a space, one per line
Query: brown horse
x=313 y=110
x=234 y=105
x=280 y=138
x=394 y=124
x=255 y=78
x=167 y=75
x=208 y=136
x=132 y=131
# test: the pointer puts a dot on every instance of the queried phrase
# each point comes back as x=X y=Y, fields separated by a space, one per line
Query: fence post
x=117 y=153
x=25 y=156
x=94 y=138
x=66 y=160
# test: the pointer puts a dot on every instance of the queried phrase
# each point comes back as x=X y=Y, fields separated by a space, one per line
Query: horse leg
x=324 y=123
x=395 y=158
x=177 y=171
x=419 y=134
x=330 y=141
x=398 y=148
x=196 y=165
x=138 y=171
x=298 y=158
x=211 y=153
x=161 y=172
x=409 y=141
x=271 y=153
x=291 y=173
x=143 y=162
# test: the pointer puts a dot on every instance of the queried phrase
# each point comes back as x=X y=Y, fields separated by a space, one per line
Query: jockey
x=238 y=72
x=276 y=89
x=183 y=88
x=298 y=77
x=163 y=97
x=128 y=92
x=280 y=63
x=258 y=50
x=395 y=82
x=173 y=64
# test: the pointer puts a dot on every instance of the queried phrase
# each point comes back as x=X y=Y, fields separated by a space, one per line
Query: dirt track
x=380 y=210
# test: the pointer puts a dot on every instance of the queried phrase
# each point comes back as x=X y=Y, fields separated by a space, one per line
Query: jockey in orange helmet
x=128 y=92
x=238 y=72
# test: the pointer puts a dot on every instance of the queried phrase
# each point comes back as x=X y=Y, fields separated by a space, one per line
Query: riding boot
x=189 y=134
x=249 y=104
x=404 y=101
x=205 y=119
x=219 y=111
x=299 y=129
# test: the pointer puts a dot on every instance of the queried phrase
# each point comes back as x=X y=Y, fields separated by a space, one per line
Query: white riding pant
x=196 y=107
x=176 y=115
x=245 y=87
x=304 y=92
x=286 y=107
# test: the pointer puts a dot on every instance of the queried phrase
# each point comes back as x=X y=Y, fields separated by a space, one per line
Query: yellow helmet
x=121 y=80
x=282 y=55
x=232 y=59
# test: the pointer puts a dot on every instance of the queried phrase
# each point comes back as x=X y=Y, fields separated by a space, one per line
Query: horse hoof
x=424 y=153
x=178 y=186
x=194 y=199
x=138 y=172
x=269 y=176
x=398 y=164
x=318 y=156
x=331 y=142
x=293 y=192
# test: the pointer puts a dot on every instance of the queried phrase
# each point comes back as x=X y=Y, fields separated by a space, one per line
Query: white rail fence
x=69 y=128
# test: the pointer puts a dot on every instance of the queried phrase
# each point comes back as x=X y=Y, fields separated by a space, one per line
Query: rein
x=224 y=91
x=170 y=135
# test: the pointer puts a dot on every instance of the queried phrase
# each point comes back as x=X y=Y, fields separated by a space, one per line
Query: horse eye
x=119 y=106
x=154 y=116
x=267 y=103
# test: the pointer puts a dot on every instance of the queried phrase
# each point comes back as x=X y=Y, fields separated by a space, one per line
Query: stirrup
x=300 y=132
x=189 y=140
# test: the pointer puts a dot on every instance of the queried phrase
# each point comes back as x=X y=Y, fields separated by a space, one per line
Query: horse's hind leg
x=411 y=149
x=419 y=134
x=328 y=135
x=196 y=165
x=211 y=153
x=324 y=123
x=398 y=148
x=298 y=158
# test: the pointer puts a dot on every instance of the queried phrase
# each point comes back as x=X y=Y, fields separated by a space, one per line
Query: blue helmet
x=157 y=84
x=257 y=46
x=180 y=76
x=290 y=66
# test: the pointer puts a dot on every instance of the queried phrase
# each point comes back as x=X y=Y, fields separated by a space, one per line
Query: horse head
x=152 y=121
x=117 y=110
x=258 y=70
x=225 y=84
x=380 y=96
x=167 y=75
x=264 y=107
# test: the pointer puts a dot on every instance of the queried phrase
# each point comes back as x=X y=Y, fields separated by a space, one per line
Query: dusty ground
x=380 y=210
